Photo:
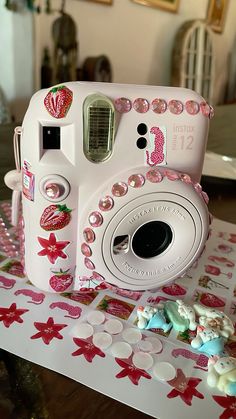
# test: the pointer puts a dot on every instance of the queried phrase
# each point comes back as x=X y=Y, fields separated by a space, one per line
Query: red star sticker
x=229 y=403
x=52 y=248
x=11 y=315
x=185 y=387
x=130 y=371
x=87 y=348
x=48 y=331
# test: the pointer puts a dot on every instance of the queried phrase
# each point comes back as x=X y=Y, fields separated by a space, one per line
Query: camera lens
x=151 y=239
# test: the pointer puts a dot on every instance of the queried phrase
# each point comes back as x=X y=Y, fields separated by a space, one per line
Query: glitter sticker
x=155 y=153
x=28 y=181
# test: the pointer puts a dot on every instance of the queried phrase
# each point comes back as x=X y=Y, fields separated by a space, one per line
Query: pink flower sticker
x=87 y=348
x=185 y=387
x=48 y=330
x=11 y=315
x=52 y=248
x=130 y=371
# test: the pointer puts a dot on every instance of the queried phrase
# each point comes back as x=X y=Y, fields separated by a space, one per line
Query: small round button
x=142 y=129
x=54 y=188
x=141 y=143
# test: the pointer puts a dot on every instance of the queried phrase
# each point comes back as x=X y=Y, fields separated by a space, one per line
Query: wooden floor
x=46 y=394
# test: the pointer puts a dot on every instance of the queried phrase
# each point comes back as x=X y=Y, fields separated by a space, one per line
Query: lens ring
x=151 y=239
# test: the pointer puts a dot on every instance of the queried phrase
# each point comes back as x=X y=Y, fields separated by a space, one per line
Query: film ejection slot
x=99 y=121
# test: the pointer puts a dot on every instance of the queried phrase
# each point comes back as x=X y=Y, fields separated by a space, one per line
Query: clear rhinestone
x=192 y=107
x=175 y=106
x=86 y=250
x=154 y=176
x=136 y=181
x=89 y=235
x=95 y=219
x=119 y=189
x=159 y=105
x=123 y=105
x=106 y=203
x=141 y=105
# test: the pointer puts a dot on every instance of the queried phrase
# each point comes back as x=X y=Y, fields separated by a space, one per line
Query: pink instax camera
x=110 y=185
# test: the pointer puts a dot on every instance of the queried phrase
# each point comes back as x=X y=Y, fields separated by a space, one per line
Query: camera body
x=111 y=193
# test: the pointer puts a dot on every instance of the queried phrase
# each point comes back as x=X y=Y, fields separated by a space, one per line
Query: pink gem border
x=203 y=107
x=158 y=175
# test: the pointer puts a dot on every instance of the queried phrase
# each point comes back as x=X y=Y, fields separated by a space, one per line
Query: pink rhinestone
x=13 y=253
x=89 y=235
x=171 y=175
x=52 y=190
x=123 y=105
x=198 y=188
x=85 y=249
x=185 y=178
x=106 y=203
x=205 y=109
x=119 y=189
x=98 y=277
x=141 y=105
x=205 y=197
x=95 y=219
x=136 y=181
x=212 y=112
x=159 y=105
x=154 y=176
x=175 y=106
x=89 y=264
x=192 y=107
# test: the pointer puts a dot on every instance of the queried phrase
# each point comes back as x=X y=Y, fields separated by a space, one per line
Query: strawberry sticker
x=13 y=267
x=55 y=217
x=58 y=101
x=116 y=307
x=61 y=281
x=208 y=299
x=83 y=298
x=174 y=289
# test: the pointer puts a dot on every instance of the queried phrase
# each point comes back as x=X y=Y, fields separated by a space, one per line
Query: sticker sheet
x=93 y=338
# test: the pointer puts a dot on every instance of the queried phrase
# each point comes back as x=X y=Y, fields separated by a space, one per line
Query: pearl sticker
x=145 y=346
x=113 y=326
x=96 y=317
x=102 y=340
x=121 y=350
x=132 y=335
x=156 y=344
x=164 y=371
x=142 y=360
x=83 y=331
